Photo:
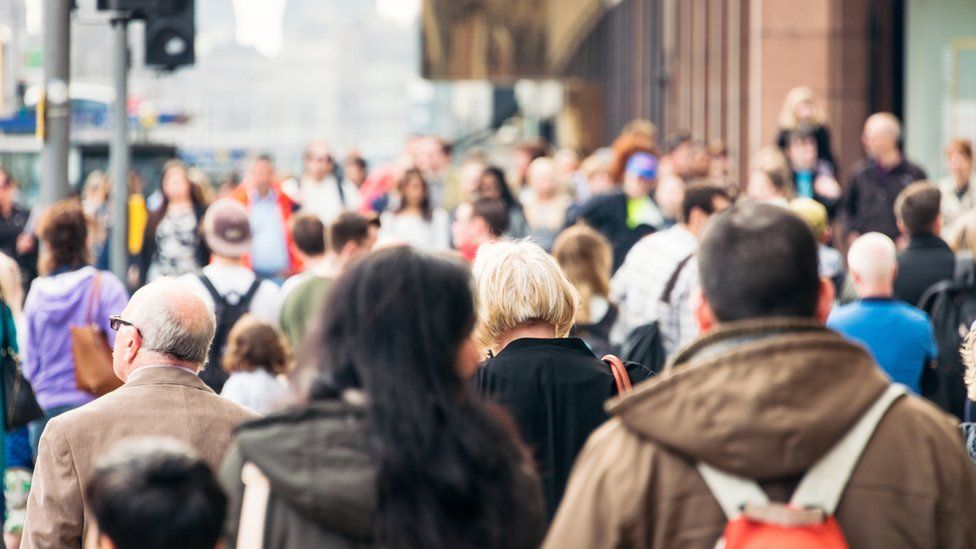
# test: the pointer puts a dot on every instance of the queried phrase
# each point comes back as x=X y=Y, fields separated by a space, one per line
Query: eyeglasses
x=116 y=321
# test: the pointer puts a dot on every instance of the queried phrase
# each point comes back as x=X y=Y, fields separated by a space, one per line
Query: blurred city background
x=270 y=75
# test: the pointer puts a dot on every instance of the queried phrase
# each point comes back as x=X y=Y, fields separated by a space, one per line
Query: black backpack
x=644 y=344
x=228 y=309
x=951 y=304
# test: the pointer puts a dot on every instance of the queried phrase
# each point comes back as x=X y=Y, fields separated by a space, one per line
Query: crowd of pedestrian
x=629 y=349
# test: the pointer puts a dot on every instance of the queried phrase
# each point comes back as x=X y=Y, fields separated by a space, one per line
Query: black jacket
x=926 y=260
x=869 y=204
x=555 y=390
x=607 y=213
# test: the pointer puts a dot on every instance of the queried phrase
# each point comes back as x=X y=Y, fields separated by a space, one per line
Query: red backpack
x=807 y=521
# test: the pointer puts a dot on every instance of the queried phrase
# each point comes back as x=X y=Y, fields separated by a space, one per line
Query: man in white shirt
x=319 y=191
x=638 y=285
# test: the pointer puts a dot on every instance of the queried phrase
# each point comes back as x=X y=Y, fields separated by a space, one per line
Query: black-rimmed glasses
x=116 y=321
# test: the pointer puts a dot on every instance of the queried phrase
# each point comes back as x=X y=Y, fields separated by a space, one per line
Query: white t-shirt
x=238 y=279
x=257 y=390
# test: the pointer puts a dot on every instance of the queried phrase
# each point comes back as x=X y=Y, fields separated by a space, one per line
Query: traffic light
x=170 y=28
x=170 y=31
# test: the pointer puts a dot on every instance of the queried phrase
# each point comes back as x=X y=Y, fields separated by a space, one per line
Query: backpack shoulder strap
x=211 y=288
x=824 y=483
x=730 y=491
x=93 y=299
x=254 y=507
x=253 y=289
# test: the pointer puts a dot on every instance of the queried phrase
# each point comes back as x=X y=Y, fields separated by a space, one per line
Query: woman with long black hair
x=390 y=447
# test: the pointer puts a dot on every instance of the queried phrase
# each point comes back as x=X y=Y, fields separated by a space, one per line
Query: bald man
x=162 y=341
x=898 y=335
x=869 y=204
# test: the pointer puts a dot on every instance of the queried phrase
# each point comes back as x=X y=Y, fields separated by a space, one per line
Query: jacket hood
x=761 y=399
x=60 y=296
x=317 y=460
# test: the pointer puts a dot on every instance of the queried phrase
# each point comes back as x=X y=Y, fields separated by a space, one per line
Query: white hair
x=519 y=284
x=174 y=321
x=873 y=257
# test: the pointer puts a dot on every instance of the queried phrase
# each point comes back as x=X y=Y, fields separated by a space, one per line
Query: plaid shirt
x=636 y=287
x=677 y=321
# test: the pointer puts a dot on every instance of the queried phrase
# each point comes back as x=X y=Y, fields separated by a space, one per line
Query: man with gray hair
x=898 y=335
x=869 y=204
x=163 y=337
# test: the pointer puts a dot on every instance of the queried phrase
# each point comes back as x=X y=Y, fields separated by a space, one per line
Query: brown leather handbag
x=620 y=375
x=92 y=354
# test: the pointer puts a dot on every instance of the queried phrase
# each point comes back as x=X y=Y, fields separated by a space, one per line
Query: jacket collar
x=165 y=375
x=762 y=399
x=571 y=344
x=926 y=241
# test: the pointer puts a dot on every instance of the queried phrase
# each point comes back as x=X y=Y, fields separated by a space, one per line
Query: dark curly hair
x=253 y=344
x=63 y=230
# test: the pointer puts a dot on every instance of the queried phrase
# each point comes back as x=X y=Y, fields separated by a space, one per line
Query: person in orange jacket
x=269 y=210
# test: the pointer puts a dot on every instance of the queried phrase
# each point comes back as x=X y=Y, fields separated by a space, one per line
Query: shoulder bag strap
x=669 y=287
x=620 y=376
x=824 y=483
x=254 y=507
x=96 y=285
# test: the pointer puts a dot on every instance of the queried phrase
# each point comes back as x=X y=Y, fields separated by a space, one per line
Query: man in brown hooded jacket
x=763 y=394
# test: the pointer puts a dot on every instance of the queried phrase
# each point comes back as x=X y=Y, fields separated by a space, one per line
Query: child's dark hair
x=155 y=494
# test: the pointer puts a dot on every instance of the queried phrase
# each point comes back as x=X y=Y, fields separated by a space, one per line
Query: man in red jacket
x=268 y=210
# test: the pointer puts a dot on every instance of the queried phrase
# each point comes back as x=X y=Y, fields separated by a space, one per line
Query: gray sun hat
x=226 y=228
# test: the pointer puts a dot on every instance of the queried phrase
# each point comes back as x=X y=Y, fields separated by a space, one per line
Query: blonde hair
x=964 y=237
x=587 y=259
x=11 y=288
x=801 y=94
x=969 y=361
x=518 y=284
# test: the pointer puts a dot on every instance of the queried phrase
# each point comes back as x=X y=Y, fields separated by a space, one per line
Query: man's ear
x=825 y=300
x=704 y=313
x=104 y=542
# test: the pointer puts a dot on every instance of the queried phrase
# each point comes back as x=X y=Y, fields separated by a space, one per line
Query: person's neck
x=183 y=202
x=262 y=191
x=149 y=359
x=323 y=266
x=885 y=291
x=6 y=208
x=535 y=331
x=890 y=159
x=225 y=261
x=319 y=179
x=412 y=210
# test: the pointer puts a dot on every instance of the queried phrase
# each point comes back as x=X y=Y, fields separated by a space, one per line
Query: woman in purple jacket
x=59 y=300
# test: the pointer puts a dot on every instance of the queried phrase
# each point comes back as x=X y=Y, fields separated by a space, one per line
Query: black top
x=554 y=389
x=607 y=213
x=926 y=260
x=869 y=204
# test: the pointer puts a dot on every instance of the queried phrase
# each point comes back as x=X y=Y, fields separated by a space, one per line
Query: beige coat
x=155 y=402
x=765 y=400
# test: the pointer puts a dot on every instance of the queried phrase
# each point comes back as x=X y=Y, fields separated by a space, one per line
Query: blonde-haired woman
x=968 y=352
x=802 y=107
x=553 y=385
x=587 y=259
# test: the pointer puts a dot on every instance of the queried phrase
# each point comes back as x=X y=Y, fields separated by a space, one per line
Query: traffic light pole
x=119 y=152
x=56 y=104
